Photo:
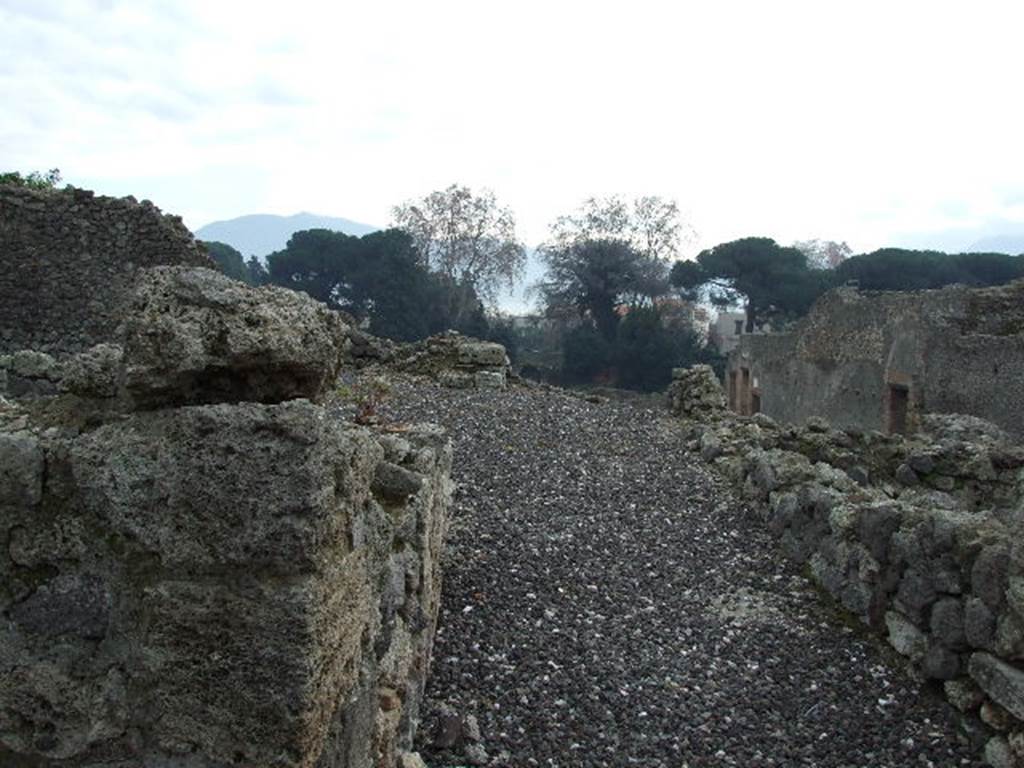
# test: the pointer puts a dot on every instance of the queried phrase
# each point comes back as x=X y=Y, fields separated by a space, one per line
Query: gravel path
x=607 y=602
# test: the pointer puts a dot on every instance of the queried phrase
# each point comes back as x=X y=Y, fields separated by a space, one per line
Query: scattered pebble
x=627 y=610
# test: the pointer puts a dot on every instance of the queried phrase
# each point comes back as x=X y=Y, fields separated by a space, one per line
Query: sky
x=877 y=123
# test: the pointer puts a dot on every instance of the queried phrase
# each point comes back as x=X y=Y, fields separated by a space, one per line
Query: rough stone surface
x=1000 y=680
x=456 y=361
x=958 y=350
x=218 y=585
x=696 y=393
x=215 y=584
x=998 y=753
x=940 y=573
x=69 y=260
x=193 y=336
x=481 y=354
x=907 y=639
x=96 y=372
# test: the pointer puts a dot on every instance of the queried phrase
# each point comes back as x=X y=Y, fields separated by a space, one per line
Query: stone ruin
x=451 y=359
x=695 y=393
x=201 y=564
x=884 y=360
x=69 y=258
x=919 y=537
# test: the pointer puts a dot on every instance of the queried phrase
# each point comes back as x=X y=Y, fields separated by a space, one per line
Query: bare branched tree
x=465 y=236
x=651 y=225
x=824 y=254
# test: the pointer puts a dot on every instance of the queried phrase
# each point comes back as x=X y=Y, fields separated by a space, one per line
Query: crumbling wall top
x=69 y=257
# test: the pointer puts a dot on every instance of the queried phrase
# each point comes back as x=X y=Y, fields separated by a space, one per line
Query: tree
x=771 y=281
x=647 y=348
x=824 y=254
x=651 y=225
x=316 y=262
x=258 y=274
x=897 y=269
x=228 y=260
x=598 y=277
x=34 y=180
x=467 y=238
x=378 y=278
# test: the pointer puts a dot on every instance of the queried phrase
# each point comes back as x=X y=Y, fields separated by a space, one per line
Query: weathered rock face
x=453 y=360
x=695 y=393
x=69 y=259
x=194 y=335
x=919 y=537
x=217 y=584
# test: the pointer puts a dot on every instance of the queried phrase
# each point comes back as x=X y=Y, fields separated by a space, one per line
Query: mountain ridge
x=260 y=234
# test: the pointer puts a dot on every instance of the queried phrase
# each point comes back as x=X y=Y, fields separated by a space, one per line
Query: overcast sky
x=874 y=123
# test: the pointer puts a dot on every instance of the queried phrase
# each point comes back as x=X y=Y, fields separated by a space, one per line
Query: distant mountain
x=995 y=236
x=261 y=234
x=1012 y=244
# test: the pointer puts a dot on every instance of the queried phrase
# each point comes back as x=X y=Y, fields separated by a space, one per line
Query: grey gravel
x=608 y=602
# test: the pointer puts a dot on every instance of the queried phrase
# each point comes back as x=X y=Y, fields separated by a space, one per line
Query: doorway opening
x=899 y=401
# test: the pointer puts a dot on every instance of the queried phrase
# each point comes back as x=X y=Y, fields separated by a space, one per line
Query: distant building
x=726 y=329
x=882 y=360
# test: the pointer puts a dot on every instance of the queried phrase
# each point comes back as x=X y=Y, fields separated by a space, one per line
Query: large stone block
x=21 y=470
x=212 y=486
x=219 y=585
x=481 y=354
x=192 y=335
x=1003 y=682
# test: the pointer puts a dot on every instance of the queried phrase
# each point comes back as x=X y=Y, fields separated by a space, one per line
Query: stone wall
x=919 y=537
x=880 y=361
x=451 y=359
x=201 y=565
x=68 y=259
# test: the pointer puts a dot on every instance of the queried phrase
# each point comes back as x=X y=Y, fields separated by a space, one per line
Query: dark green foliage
x=774 y=282
x=586 y=356
x=228 y=260
x=378 y=278
x=502 y=332
x=258 y=274
x=34 y=180
x=897 y=269
x=646 y=347
x=597 y=277
x=646 y=350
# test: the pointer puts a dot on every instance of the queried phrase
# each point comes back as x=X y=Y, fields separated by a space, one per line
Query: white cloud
x=791 y=119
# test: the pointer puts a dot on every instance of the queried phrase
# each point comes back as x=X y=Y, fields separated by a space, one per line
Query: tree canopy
x=378 y=278
x=651 y=225
x=824 y=254
x=897 y=269
x=772 y=281
x=466 y=237
x=598 y=277
x=228 y=260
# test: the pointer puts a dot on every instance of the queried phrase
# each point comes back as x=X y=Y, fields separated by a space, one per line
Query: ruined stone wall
x=918 y=537
x=68 y=257
x=955 y=350
x=201 y=564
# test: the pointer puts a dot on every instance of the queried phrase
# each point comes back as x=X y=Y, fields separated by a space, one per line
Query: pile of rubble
x=918 y=536
x=451 y=359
